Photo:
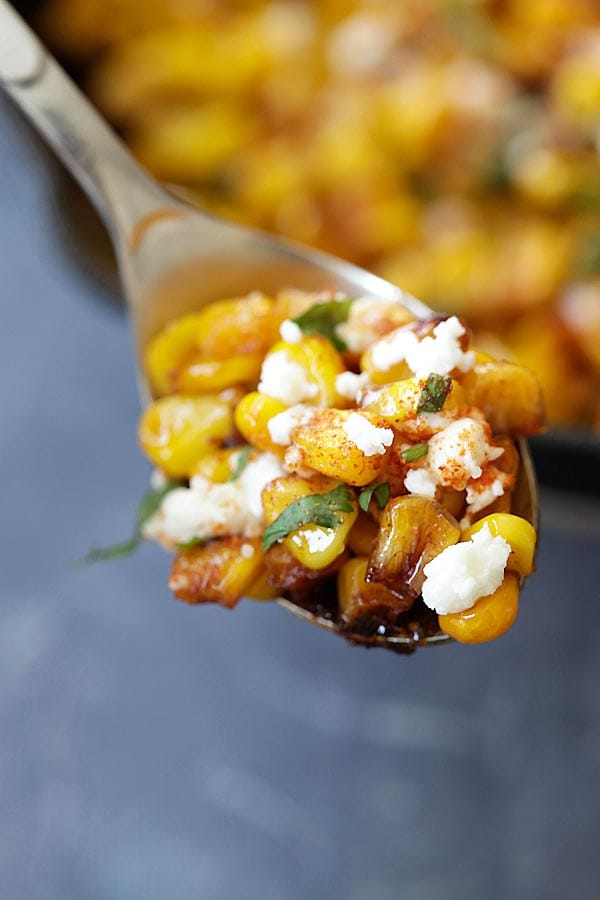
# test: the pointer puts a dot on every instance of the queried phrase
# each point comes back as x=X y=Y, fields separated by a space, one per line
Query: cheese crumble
x=349 y=384
x=290 y=332
x=370 y=439
x=420 y=481
x=206 y=510
x=284 y=379
x=280 y=426
x=458 y=453
x=438 y=354
x=463 y=573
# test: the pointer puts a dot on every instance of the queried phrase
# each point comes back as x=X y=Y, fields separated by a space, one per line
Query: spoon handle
x=118 y=187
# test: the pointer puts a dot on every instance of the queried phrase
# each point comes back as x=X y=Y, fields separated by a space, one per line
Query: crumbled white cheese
x=363 y=325
x=479 y=497
x=370 y=439
x=393 y=348
x=207 y=510
x=463 y=573
x=317 y=539
x=247 y=551
x=290 y=332
x=458 y=452
x=420 y=481
x=285 y=379
x=348 y=384
x=280 y=426
x=438 y=354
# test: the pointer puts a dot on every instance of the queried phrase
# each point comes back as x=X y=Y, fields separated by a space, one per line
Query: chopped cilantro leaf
x=415 y=452
x=322 y=319
x=318 y=509
x=381 y=492
x=434 y=393
x=148 y=505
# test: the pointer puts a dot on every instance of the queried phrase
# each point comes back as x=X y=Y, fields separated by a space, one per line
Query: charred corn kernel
x=169 y=350
x=252 y=416
x=490 y=618
x=363 y=534
x=312 y=545
x=261 y=589
x=358 y=598
x=509 y=396
x=204 y=375
x=220 y=465
x=175 y=432
x=218 y=572
x=328 y=444
x=517 y=532
x=320 y=363
x=398 y=402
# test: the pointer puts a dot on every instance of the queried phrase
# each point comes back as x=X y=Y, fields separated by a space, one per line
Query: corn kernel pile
x=449 y=145
x=313 y=440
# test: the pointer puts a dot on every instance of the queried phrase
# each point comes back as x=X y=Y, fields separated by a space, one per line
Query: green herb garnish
x=148 y=505
x=322 y=319
x=381 y=492
x=415 y=452
x=434 y=393
x=318 y=509
x=240 y=463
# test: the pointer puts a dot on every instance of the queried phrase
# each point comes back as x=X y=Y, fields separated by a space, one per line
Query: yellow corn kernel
x=323 y=444
x=357 y=597
x=252 y=416
x=517 y=532
x=239 y=326
x=219 y=465
x=490 y=618
x=398 y=402
x=217 y=572
x=312 y=545
x=204 y=375
x=321 y=364
x=261 y=589
x=509 y=396
x=237 y=331
x=363 y=535
x=175 y=432
x=169 y=350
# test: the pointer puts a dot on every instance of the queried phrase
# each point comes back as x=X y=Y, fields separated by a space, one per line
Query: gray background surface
x=151 y=751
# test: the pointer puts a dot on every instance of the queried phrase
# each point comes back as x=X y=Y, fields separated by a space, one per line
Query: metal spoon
x=174 y=258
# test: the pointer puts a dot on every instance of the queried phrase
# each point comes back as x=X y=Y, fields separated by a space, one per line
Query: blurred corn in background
x=450 y=145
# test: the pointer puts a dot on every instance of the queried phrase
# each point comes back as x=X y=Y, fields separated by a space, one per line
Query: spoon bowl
x=174 y=258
